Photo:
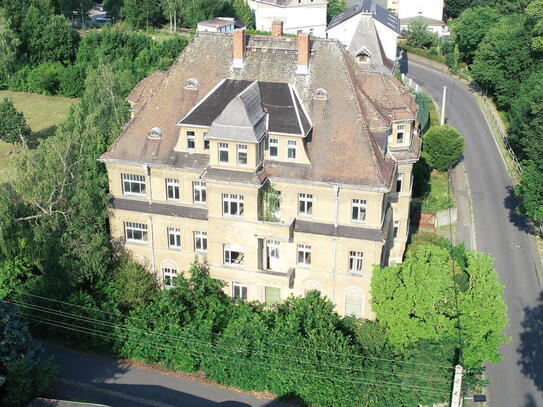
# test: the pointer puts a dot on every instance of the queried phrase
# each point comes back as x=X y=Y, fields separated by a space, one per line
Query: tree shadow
x=403 y=63
x=531 y=345
x=36 y=137
x=529 y=402
x=511 y=203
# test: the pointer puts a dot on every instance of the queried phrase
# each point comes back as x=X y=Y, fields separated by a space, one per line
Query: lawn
x=430 y=193
x=42 y=113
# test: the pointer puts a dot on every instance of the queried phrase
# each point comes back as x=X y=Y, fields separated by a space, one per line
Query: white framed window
x=223 y=153
x=305 y=204
x=172 y=189
x=399 y=180
x=200 y=241
x=272 y=255
x=233 y=255
x=239 y=291
x=304 y=255
x=400 y=133
x=232 y=204
x=191 y=140
x=354 y=302
x=135 y=232
x=396 y=229
x=355 y=262
x=242 y=154
x=272 y=295
x=359 y=210
x=133 y=184
x=199 y=193
x=274 y=147
x=291 y=149
x=169 y=277
x=174 y=238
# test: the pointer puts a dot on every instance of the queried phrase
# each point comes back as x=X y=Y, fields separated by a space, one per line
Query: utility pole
x=443 y=105
x=456 y=398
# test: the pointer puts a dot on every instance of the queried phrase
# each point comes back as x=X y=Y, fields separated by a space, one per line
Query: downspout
x=336 y=221
x=147 y=170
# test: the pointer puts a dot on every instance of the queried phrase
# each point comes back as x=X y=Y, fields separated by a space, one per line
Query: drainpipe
x=336 y=221
x=147 y=170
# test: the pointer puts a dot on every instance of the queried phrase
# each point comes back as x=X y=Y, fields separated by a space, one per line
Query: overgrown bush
x=442 y=147
x=45 y=78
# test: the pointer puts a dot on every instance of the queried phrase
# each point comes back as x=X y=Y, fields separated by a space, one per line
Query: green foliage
x=72 y=80
x=424 y=53
x=113 y=7
x=470 y=29
x=9 y=47
x=531 y=191
x=141 y=13
x=416 y=301
x=454 y=8
x=502 y=60
x=242 y=11
x=44 y=78
x=335 y=7
x=424 y=101
x=135 y=285
x=442 y=147
x=271 y=201
x=417 y=35
x=534 y=20
x=13 y=127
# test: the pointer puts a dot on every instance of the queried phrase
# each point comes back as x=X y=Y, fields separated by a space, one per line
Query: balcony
x=288 y=276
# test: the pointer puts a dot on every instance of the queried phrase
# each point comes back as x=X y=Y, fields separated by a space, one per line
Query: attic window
x=155 y=133
x=363 y=57
x=321 y=94
x=191 y=84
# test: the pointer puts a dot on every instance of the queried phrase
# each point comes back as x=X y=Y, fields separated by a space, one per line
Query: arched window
x=191 y=84
x=321 y=94
x=312 y=285
x=354 y=302
x=155 y=133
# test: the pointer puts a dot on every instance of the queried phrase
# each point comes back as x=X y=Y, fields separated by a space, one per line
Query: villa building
x=278 y=160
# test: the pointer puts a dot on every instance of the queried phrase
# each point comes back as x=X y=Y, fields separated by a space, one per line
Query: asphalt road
x=95 y=379
x=518 y=380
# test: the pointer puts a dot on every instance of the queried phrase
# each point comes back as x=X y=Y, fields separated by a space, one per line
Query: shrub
x=72 y=81
x=442 y=147
x=418 y=35
x=45 y=78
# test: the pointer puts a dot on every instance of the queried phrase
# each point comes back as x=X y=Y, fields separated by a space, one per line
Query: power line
x=235 y=337
x=193 y=340
x=163 y=347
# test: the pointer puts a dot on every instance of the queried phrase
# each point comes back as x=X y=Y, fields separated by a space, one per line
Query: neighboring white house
x=367 y=28
x=307 y=16
x=430 y=11
x=219 y=25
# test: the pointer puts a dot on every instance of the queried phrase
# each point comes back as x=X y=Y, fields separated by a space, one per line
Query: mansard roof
x=340 y=146
x=379 y=13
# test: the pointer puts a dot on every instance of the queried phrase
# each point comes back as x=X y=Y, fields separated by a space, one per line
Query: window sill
x=202 y=252
x=358 y=222
x=304 y=266
x=233 y=266
x=138 y=242
x=176 y=248
x=305 y=215
x=355 y=273
x=134 y=195
x=232 y=216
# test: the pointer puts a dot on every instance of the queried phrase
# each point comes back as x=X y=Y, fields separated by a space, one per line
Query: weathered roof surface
x=379 y=13
x=340 y=145
x=427 y=20
x=238 y=177
x=286 y=3
x=365 y=39
x=144 y=90
x=218 y=22
x=327 y=229
x=179 y=211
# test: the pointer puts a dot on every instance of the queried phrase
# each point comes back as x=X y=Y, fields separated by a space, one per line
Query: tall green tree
x=530 y=190
x=142 y=14
x=13 y=127
x=9 y=48
x=442 y=147
x=502 y=60
x=471 y=27
x=335 y=7
x=418 y=35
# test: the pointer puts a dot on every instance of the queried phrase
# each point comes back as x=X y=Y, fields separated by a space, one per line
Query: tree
x=9 y=48
x=502 y=60
x=442 y=147
x=26 y=375
x=453 y=8
x=531 y=190
x=335 y=7
x=470 y=29
x=242 y=11
x=13 y=127
x=141 y=13
x=198 y=10
x=113 y=7
x=430 y=297
x=534 y=22
x=417 y=35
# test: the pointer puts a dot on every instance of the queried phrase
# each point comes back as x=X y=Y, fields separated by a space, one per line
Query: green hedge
x=425 y=53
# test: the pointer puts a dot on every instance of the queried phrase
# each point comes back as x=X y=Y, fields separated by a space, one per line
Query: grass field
x=42 y=113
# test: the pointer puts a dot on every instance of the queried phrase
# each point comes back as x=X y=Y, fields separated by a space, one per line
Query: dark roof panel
x=214 y=104
x=379 y=13
x=159 y=209
x=277 y=101
x=352 y=232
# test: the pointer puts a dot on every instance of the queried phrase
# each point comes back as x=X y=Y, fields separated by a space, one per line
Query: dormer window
x=291 y=149
x=400 y=134
x=363 y=57
x=223 y=153
x=320 y=94
x=191 y=140
x=155 y=133
x=242 y=154
x=191 y=84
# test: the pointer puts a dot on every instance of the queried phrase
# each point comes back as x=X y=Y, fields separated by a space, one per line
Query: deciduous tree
x=13 y=127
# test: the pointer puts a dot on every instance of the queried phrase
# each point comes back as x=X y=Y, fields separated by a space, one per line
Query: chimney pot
x=277 y=28
x=238 y=45
x=303 y=54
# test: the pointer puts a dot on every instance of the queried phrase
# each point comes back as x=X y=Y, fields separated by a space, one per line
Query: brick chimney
x=277 y=28
x=238 y=45
x=303 y=54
